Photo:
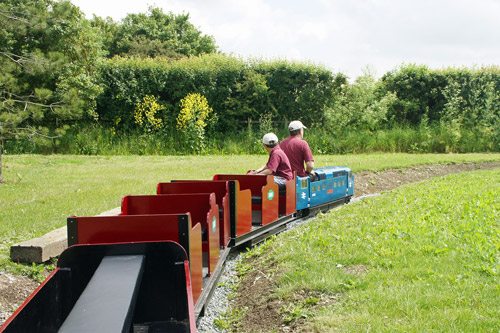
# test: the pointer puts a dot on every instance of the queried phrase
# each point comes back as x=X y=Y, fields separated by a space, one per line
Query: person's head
x=296 y=127
x=270 y=140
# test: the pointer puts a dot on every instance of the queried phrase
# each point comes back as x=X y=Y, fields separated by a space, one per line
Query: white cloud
x=316 y=30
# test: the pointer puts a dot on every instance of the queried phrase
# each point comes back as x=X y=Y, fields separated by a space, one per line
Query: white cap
x=270 y=139
x=295 y=125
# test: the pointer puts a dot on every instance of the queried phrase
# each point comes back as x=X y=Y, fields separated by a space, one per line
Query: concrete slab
x=40 y=249
x=48 y=246
x=114 y=211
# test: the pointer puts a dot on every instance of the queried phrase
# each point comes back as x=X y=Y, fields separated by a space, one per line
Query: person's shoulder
x=275 y=150
x=279 y=150
x=282 y=153
x=286 y=140
x=292 y=139
x=305 y=143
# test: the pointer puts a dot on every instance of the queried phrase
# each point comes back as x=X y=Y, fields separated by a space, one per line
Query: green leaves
x=459 y=97
x=235 y=88
x=47 y=55
x=156 y=34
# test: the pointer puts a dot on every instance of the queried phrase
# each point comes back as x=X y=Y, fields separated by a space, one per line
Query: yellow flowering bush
x=195 y=115
x=146 y=114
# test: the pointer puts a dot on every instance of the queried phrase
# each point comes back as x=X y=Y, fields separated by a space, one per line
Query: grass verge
x=420 y=258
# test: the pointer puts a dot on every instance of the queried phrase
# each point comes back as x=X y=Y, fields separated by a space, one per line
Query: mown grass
x=424 y=257
x=41 y=191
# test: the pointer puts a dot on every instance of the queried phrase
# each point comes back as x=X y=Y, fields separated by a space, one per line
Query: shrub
x=194 y=117
x=145 y=114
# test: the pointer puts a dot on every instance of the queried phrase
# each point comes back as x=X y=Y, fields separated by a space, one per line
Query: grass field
x=41 y=191
x=424 y=257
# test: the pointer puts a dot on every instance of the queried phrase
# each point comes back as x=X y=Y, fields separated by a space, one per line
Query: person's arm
x=308 y=158
x=258 y=171
x=266 y=171
x=309 y=166
x=268 y=168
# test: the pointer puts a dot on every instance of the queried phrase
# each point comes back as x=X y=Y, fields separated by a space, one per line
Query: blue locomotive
x=333 y=184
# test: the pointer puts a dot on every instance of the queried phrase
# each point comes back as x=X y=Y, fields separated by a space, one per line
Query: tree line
x=50 y=57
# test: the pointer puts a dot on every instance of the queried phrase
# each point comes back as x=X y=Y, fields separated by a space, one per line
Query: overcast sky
x=344 y=35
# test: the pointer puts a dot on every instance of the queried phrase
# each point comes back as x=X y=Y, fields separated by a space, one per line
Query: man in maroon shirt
x=277 y=164
x=298 y=152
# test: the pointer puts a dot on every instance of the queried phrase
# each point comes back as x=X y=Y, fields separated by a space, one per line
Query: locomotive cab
x=334 y=183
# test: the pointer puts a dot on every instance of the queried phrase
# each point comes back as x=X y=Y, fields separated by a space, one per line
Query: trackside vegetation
x=423 y=257
x=77 y=86
x=411 y=109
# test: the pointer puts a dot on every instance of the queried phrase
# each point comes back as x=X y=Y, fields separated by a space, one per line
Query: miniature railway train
x=153 y=267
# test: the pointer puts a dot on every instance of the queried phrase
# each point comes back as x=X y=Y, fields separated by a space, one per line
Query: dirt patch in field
x=14 y=289
x=368 y=182
x=263 y=316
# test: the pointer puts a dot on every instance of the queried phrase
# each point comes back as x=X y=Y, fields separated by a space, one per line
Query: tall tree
x=47 y=56
x=158 y=34
x=107 y=29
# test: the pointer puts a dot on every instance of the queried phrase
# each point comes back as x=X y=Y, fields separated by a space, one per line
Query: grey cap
x=295 y=125
x=270 y=139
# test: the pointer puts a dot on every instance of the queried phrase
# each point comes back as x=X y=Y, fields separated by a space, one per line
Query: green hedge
x=236 y=89
x=468 y=95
